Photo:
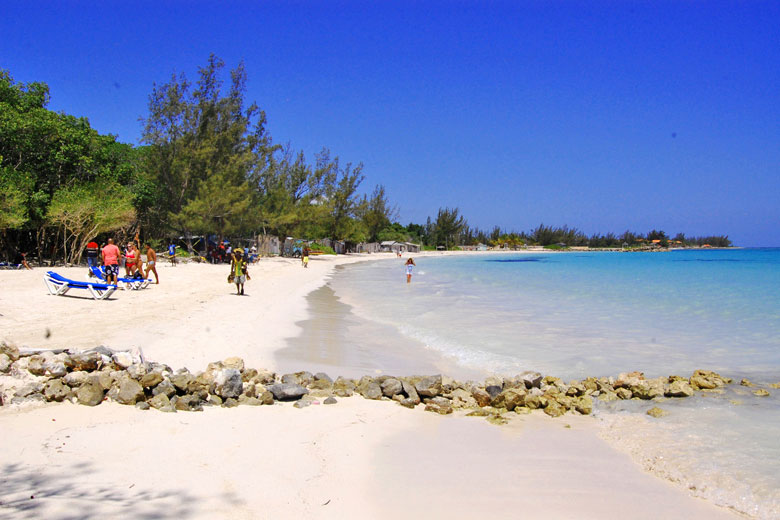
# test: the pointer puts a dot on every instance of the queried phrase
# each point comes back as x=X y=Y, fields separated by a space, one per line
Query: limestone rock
x=330 y=400
x=707 y=380
x=228 y=403
x=620 y=393
x=391 y=386
x=151 y=379
x=236 y=363
x=55 y=366
x=531 y=379
x=411 y=392
x=321 y=384
x=35 y=365
x=165 y=387
x=54 y=390
x=90 y=393
x=554 y=409
x=162 y=402
x=5 y=363
x=186 y=403
x=429 y=386
x=462 y=399
x=369 y=388
x=649 y=389
x=228 y=383
x=128 y=391
x=9 y=350
x=287 y=391
x=249 y=401
x=606 y=396
x=656 y=412
x=122 y=359
x=298 y=378
x=584 y=405
x=745 y=382
x=343 y=387
x=771 y=385
x=266 y=397
x=28 y=389
x=86 y=361
x=679 y=388
x=481 y=396
x=181 y=380
x=440 y=405
x=75 y=379
x=629 y=379
x=761 y=393
x=322 y=376
x=509 y=399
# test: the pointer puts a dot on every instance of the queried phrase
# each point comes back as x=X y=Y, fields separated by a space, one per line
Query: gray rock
x=90 y=393
x=321 y=384
x=298 y=378
x=230 y=403
x=493 y=391
x=302 y=403
x=330 y=400
x=429 y=386
x=29 y=389
x=266 y=397
x=391 y=386
x=105 y=378
x=9 y=350
x=137 y=370
x=166 y=387
x=410 y=391
x=343 y=387
x=5 y=363
x=122 y=359
x=439 y=405
x=151 y=379
x=75 y=379
x=249 y=401
x=370 y=390
x=35 y=365
x=181 y=380
x=228 y=383
x=287 y=391
x=322 y=376
x=190 y=403
x=235 y=363
x=142 y=405
x=128 y=391
x=408 y=402
x=679 y=388
x=162 y=402
x=84 y=361
x=531 y=379
x=54 y=390
x=55 y=366
x=481 y=396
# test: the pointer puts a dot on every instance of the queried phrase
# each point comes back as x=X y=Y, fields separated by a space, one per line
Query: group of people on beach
x=111 y=258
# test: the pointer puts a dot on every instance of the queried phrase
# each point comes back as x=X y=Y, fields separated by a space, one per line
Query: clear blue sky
x=604 y=116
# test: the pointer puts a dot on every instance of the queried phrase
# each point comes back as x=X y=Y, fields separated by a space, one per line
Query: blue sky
x=603 y=116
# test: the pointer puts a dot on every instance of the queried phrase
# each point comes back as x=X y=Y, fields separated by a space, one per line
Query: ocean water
x=574 y=315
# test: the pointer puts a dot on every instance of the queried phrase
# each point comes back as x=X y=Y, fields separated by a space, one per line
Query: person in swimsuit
x=129 y=260
x=151 y=260
x=238 y=268
x=111 y=255
x=409 y=267
x=172 y=253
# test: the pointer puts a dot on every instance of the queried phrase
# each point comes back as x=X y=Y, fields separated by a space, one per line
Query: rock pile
x=95 y=375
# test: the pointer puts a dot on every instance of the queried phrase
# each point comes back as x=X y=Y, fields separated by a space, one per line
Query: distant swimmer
x=409 y=267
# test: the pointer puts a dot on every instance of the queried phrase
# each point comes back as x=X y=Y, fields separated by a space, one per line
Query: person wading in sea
x=409 y=267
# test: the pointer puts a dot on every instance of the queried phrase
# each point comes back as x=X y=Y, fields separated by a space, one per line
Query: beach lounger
x=125 y=283
x=59 y=285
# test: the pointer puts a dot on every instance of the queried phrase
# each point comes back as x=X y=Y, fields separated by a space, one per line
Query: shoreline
x=278 y=461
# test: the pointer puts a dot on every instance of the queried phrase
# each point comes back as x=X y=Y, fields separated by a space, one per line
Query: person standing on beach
x=93 y=253
x=111 y=254
x=238 y=268
x=151 y=260
x=409 y=267
x=305 y=256
x=172 y=254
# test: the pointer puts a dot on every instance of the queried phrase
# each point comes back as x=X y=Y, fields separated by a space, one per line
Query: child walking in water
x=409 y=267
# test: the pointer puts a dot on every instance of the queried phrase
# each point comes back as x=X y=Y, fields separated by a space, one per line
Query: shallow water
x=575 y=315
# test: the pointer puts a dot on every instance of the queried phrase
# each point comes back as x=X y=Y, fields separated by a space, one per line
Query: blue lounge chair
x=125 y=283
x=59 y=285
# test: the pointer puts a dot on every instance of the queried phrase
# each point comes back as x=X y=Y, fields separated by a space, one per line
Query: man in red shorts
x=110 y=254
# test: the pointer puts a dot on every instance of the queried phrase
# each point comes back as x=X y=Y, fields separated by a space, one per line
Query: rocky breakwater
x=92 y=376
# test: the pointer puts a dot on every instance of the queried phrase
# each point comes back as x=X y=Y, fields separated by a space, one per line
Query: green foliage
x=86 y=210
x=320 y=247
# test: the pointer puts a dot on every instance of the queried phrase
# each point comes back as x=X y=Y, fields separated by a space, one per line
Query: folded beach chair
x=125 y=283
x=59 y=285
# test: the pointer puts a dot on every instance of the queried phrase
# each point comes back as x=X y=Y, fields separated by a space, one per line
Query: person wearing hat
x=238 y=269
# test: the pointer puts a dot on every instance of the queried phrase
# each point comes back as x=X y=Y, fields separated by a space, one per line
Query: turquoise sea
x=574 y=315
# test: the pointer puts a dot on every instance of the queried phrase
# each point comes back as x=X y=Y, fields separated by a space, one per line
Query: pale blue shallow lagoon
x=574 y=315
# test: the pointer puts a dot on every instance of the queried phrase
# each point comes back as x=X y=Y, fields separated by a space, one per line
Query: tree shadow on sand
x=27 y=492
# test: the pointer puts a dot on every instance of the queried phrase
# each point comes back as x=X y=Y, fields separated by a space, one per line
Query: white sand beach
x=354 y=459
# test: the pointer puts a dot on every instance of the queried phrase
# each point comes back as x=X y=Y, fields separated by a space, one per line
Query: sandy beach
x=355 y=459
